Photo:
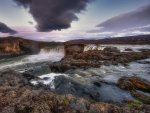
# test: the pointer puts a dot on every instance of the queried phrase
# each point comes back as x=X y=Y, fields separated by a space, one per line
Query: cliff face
x=17 y=46
x=10 y=48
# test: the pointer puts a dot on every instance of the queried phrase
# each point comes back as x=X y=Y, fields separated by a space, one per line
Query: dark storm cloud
x=137 y=18
x=54 y=14
x=5 y=29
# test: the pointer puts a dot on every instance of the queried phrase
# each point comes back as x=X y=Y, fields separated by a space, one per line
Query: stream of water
x=79 y=82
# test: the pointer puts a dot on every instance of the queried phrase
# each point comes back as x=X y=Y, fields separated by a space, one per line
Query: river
x=80 y=82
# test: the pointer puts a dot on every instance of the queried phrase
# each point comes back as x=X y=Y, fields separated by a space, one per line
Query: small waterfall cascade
x=93 y=47
x=52 y=54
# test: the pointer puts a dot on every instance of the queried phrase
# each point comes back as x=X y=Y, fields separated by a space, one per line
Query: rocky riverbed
x=77 y=78
x=17 y=95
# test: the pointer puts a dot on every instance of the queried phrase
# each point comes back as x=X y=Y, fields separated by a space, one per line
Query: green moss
x=65 y=101
x=135 y=104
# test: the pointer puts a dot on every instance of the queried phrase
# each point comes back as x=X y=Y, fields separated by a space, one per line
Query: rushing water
x=80 y=82
x=50 y=54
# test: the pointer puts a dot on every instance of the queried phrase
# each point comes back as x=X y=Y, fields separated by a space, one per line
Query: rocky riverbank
x=17 y=95
x=76 y=57
x=139 y=88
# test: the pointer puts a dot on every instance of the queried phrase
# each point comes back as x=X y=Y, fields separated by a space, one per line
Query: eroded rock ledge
x=17 y=95
x=76 y=57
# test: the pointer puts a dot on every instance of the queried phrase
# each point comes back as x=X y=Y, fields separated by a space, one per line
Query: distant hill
x=141 y=39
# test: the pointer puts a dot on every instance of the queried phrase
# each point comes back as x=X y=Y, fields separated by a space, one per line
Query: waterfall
x=93 y=47
x=48 y=54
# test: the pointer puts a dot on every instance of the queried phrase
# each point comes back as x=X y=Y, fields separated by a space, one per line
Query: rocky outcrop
x=73 y=49
x=76 y=57
x=14 y=46
x=17 y=95
x=137 y=86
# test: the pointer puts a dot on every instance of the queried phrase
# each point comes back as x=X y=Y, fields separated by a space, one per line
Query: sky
x=62 y=20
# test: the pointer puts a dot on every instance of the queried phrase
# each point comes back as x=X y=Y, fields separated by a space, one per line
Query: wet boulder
x=134 y=82
x=138 y=87
x=128 y=49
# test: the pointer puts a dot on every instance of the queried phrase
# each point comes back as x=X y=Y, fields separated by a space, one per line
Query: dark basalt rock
x=97 y=83
x=65 y=85
x=128 y=49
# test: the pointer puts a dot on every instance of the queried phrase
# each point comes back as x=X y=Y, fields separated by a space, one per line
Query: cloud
x=5 y=29
x=54 y=14
x=137 y=18
x=141 y=28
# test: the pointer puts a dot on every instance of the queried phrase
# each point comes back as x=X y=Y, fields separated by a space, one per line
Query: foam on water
x=47 y=79
x=93 y=47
